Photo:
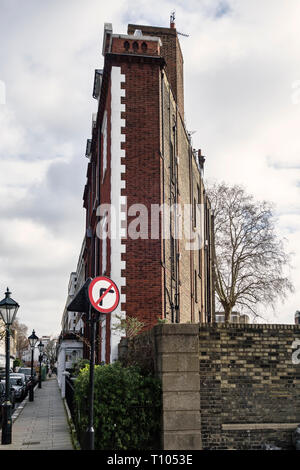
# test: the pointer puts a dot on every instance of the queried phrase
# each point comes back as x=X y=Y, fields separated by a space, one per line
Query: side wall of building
x=186 y=253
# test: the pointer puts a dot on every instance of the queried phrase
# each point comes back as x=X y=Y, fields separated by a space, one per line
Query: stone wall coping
x=257 y=426
x=246 y=326
x=191 y=329
x=176 y=329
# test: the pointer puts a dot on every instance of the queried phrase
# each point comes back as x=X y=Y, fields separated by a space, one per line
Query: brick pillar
x=177 y=365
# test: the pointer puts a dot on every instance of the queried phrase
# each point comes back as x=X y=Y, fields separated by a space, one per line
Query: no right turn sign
x=103 y=294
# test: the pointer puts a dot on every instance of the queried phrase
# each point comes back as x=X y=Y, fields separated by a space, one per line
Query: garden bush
x=77 y=366
x=127 y=407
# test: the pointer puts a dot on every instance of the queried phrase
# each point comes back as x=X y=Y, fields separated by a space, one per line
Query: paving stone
x=42 y=424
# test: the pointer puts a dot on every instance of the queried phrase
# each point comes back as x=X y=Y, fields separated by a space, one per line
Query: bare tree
x=130 y=325
x=250 y=258
x=21 y=337
x=2 y=330
x=50 y=350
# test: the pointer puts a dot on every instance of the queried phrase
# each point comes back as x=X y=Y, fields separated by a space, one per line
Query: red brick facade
x=143 y=268
x=158 y=278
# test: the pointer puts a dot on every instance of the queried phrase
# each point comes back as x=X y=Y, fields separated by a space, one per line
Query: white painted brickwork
x=117 y=169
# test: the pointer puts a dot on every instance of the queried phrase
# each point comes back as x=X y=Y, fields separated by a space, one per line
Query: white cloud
x=242 y=78
x=241 y=61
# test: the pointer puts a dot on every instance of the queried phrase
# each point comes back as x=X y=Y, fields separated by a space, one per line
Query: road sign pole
x=90 y=434
x=104 y=296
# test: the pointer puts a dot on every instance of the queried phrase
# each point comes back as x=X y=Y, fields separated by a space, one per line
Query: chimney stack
x=171 y=52
x=172 y=20
x=201 y=159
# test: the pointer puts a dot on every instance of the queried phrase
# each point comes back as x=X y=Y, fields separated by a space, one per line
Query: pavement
x=41 y=424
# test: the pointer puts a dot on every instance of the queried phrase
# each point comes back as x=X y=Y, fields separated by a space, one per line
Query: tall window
x=93 y=256
x=196 y=286
x=195 y=213
x=172 y=163
x=199 y=256
x=96 y=256
x=104 y=140
x=94 y=178
x=172 y=257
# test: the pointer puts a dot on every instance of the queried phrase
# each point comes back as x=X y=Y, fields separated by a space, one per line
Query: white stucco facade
x=117 y=200
x=2 y=347
x=69 y=352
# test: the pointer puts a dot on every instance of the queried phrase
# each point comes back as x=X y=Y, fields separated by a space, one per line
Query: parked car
x=3 y=372
x=25 y=382
x=27 y=372
x=19 y=385
x=18 y=374
x=12 y=396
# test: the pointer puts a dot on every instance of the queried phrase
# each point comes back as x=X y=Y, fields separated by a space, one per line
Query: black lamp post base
x=31 y=393
x=89 y=439
x=6 y=423
x=40 y=361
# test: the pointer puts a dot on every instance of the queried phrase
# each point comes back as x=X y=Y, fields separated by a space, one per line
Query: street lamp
x=33 y=339
x=8 y=311
x=41 y=350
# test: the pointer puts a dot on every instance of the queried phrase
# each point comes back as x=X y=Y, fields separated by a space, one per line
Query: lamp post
x=8 y=311
x=33 y=339
x=41 y=350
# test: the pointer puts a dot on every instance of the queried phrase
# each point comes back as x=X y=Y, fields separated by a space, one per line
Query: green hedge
x=127 y=408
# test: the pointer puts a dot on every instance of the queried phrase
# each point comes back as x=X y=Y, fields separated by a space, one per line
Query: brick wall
x=225 y=386
x=124 y=45
x=155 y=167
x=190 y=283
x=172 y=54
x=249 y=386
x=142 y=186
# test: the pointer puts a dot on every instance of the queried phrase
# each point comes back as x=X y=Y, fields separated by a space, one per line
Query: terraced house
x=156 y=242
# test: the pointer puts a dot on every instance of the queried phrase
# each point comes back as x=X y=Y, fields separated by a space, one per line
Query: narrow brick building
x=141 y=162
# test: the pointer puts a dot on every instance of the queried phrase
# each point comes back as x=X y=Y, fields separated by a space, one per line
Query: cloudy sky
x=242 y=94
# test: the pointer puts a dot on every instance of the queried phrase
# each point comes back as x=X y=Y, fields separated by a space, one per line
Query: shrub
x=17 y=362
x=79 y=365
x=131 y=325
x=127 y=407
